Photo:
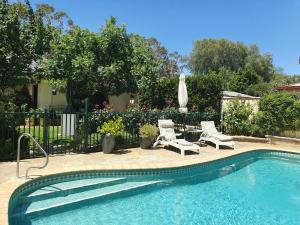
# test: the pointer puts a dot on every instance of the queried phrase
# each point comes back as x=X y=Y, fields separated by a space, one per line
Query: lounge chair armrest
x=160 y=137
x=178 y=134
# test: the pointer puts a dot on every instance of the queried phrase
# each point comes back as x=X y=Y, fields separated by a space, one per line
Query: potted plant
x=147 y=134
x=110 y=130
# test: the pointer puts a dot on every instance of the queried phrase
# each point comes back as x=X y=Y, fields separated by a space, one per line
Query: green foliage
x=279 y=111
x=260 y=89
x=115 y=53
x=212 y=54
x=73 y=61
x=15 y=48
x=114 y=127
x=8 y=123
x=156 y=72
x=8 y=120
x=133 y=119
x=167 y=91
x=204 y=92
x=148 y=131
x=241 y=81
x=241 y=67
x=19 y=97
x=144 y=70
x=237 y=118
x=170 y=64
x=6 y=149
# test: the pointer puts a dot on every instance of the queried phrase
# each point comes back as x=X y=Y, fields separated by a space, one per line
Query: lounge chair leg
x=217 y=147
x=182 y=152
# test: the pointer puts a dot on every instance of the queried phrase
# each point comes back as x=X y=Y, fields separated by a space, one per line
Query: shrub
x=115 y=127
x=133 y=119
x=203 y=91
x=279 y=111
x=148 y=131
x=9 y=133
x=167 y=91
x=7 y=145
x=237 y=118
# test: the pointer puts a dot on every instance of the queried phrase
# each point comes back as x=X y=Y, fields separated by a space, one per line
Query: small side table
x=191 y=131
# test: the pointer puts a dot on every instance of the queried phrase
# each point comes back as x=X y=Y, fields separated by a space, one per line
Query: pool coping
x=11 y=186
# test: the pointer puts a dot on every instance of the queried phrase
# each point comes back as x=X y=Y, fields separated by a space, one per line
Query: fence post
x=85 y=124
x=45 y=131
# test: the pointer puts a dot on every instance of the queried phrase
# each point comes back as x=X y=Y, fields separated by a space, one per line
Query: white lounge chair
x=168 y=137
x=210 y=134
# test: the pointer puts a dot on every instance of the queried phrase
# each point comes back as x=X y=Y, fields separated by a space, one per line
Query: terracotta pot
x=108 y=143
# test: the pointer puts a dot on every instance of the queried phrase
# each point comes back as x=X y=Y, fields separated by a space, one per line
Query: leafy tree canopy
x=114 y=55
x=24 y=40
x=240 y=66
x=73 y=59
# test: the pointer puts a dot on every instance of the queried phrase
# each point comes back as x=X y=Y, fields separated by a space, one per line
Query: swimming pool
x=259 y=187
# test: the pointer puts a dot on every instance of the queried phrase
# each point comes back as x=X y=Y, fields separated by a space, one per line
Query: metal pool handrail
x=18 y=155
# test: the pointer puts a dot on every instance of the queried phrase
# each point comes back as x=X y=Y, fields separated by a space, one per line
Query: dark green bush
x=8 y=133
x=133 y=119
x=167 y=91
x=204 y=93
x=279 y=112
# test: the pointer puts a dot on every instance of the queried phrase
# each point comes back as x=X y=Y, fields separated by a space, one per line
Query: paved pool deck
x=134 y=158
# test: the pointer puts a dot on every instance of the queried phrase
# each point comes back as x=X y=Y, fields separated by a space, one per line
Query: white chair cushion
x=166 y=124
x=169 y=134
x=209 y=127
x=222 y=137
x=183 y=142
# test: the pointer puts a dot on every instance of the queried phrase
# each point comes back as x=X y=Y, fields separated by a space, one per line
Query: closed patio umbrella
x=182 y=99
x=182 y=95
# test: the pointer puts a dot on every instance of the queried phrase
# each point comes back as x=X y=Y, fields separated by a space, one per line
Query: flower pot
x=108 y=143
x=145 y=142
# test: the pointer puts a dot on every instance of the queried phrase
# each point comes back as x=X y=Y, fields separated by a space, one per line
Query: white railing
x=18 y=155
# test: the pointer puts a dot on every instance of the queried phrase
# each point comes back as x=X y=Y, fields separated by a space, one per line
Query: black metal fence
x=61 y=133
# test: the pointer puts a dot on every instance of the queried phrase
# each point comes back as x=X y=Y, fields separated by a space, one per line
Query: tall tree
x=212 y=54
x=15 y=48
x=170 y=63
x=25 y=40
x=145 y=70
x=73 y=60
x=115 y=53
x=218 y=54
x=242 y=68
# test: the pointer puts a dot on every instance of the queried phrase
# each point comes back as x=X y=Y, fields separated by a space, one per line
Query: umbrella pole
x=184 y=115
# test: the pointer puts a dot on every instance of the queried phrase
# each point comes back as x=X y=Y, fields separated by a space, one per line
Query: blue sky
x=271 y=24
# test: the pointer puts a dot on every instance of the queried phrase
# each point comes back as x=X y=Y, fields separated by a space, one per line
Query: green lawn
x=38 y=132
x=55 y=138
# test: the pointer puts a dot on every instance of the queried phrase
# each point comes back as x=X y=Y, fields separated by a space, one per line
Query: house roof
x=291 y=87
x=232 y=94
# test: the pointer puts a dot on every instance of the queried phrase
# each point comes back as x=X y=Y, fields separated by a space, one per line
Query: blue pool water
x=264 y=192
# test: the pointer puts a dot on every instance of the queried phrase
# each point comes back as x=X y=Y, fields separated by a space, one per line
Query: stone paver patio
x=135 y=158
